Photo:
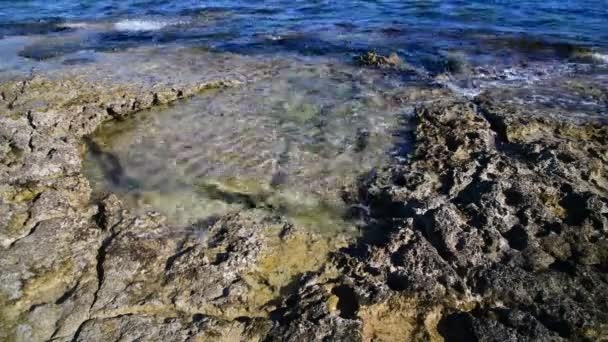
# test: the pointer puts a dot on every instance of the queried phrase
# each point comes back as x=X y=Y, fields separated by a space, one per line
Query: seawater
x=290 y=144
x=418 y=28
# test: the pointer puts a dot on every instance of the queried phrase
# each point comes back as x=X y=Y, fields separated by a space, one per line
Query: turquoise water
x=419 y=29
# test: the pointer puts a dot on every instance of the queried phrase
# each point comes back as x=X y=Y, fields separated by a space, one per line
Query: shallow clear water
x=288 y=144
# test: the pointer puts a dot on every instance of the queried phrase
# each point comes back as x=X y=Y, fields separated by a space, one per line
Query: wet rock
x=450 y=63
x=372 y=58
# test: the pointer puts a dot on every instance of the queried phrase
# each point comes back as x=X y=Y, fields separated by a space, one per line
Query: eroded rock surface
x=493 y=229
x=499 y=218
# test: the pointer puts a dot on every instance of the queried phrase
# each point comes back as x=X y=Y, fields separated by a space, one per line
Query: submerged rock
x=372 y=58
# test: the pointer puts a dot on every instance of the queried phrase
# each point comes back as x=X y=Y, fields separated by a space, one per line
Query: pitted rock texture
x=493 y=229
x=499 y=217
x=53 y=234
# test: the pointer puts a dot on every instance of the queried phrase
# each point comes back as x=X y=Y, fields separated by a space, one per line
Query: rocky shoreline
x=493 y=229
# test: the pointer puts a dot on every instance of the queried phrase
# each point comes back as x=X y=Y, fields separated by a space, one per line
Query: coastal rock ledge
x=494 y=229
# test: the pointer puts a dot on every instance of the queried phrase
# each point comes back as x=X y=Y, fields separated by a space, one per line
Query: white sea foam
x=600 y=57
x=462 y=91
x=80 y=25
x=506 y=76
x=143 y=25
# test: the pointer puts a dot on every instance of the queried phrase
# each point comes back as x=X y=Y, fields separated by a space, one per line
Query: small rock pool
x=292 y=143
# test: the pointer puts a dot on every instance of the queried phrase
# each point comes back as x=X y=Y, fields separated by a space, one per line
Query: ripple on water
x=289 y=144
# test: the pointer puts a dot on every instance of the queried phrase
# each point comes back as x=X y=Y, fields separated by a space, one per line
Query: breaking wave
x=143 y=25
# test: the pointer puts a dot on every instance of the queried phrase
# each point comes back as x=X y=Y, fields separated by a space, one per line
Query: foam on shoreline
x=600 y=57
x=143 y=25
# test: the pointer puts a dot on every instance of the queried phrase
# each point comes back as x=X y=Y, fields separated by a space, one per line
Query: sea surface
x=420 y=29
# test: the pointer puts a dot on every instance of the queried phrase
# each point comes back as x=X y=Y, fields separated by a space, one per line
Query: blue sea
x=417 y=29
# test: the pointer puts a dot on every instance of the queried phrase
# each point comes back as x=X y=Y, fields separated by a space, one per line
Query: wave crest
x=142 y=25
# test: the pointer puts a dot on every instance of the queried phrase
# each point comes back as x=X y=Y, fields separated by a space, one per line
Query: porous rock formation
x=493 y=229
